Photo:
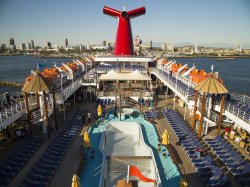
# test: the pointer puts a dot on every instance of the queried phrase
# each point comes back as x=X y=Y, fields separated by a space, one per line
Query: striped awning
x=38 y=84
x=211 y=85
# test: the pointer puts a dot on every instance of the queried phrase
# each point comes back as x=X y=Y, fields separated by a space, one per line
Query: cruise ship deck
x=139 y=102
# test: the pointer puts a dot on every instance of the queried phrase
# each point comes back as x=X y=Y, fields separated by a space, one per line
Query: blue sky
x=82 y=21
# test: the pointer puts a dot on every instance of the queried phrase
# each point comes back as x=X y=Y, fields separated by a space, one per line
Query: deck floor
x=73 y=161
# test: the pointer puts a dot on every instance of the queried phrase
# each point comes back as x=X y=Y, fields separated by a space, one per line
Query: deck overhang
x=123 y=59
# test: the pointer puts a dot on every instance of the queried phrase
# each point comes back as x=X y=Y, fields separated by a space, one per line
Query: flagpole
x=128 y=175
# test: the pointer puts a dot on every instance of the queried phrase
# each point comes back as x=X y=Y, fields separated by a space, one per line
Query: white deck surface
x=123 y=139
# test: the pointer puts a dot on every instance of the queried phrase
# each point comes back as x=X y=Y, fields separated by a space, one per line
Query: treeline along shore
x=11 y=84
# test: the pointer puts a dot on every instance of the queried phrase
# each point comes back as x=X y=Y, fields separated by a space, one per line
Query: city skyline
x=223 y=22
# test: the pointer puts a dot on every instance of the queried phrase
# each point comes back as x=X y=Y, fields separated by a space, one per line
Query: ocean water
x=235 y=73
x=17 y=68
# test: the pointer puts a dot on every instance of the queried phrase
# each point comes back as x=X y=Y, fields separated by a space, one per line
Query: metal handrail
x=183 y=92
x=8 y=112
x=231 y=108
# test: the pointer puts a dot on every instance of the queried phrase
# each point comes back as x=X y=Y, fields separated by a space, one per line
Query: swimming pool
x=92 y=169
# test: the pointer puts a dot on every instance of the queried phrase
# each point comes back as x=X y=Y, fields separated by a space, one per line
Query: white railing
x=62 y=95
x=238 y=112
x=104 y=161
x=235 y=110
x=173 y=83
x=157 y=174
x=12 y=110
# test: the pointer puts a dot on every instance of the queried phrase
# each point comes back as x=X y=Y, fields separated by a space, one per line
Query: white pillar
x=44 y=127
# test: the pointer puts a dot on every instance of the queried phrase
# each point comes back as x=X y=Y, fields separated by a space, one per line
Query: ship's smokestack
x=124 y=38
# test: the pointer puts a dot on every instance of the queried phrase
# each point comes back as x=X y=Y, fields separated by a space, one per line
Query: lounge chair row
x=17 y=159
x=104 y=102
x=43 y=171
x=209 y=173
x=152 y=114
x=238 y=165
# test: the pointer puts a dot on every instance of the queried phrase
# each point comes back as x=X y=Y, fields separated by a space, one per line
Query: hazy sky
x=82 y=21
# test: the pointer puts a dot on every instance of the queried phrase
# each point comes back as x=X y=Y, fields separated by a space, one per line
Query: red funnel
x=124 y=39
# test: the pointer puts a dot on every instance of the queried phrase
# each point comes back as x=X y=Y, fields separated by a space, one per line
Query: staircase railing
x=213 y=116
x=38 y=114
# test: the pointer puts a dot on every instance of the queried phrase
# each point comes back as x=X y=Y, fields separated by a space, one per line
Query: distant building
x=29 y=46
x=12 y=41
x=109 y=45
x=48 y=45
x=81 y=47
x=137 y=45
x=239 y=48
x=56 y=47
x=22 y=47
x=99 y=47
x=88 y=47
x=66 y=43
x=196 y=49
x=3 y=47
x=12 y=44
x=32 y=44
x=170 y=47
x=164 y=46
x=104 y=43
x=150 y=44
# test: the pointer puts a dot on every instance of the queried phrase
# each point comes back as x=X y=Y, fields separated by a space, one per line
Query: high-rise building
x=22 y=47
x=32 y=44
x=170 y=47
x=137 y=45
x=66 y=43
x=88 y=47
x=150 y=44
x=239 y=48
x=109 y=45
x=196 y=49
x=29 y=45
x=48 y=45
x=81 y=47
x=12 y=41
x=12 y=44
x=164 y=46
x=3 y=47
x=104 y=43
